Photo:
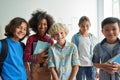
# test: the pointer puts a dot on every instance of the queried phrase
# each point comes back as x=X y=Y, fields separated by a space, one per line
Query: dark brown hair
x=83 y=18
x=15 y=22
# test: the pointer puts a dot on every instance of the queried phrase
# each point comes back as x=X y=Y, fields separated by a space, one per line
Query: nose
x=42 y=25
x=110 y=31
x=59 y=35
x=22 y=30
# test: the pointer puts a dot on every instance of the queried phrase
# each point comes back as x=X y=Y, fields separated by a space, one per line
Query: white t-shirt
x=84 y=51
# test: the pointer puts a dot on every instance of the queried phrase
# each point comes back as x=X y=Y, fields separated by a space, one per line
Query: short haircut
x=13 y=24
x=110 y=20
x=82 y=19
x=37 y=17
x=57 y=27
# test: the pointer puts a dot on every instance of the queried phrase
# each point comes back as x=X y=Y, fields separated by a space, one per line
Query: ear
x=102 y=31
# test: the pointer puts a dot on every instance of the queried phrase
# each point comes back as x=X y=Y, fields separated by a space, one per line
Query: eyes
x=22 y=28
x=58 y=33
x=43 y=24
x=114 y=29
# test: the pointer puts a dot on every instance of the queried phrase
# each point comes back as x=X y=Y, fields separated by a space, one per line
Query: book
x=41 y=46
x=115 y=59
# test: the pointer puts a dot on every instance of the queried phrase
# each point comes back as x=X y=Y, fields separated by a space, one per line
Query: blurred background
x=65 y=11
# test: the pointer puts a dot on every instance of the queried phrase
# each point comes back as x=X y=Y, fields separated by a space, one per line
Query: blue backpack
x=76 y=37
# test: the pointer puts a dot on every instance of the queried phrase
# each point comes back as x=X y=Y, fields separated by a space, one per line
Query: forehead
x=43 y=20
x=23 y=24
x=111 y=25
x=85 y=23
x=59 y=30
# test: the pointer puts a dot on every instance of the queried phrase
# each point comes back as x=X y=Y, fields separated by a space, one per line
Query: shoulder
x=71 y=45
x=48 y=36
x=52 y=48
x=91 y=35
x=31 y=38
x=49 y=39
x=94 y=38
x=97 y=46
x=76 y=34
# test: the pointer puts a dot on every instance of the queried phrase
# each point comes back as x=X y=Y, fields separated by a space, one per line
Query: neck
x=62 y=44
x=15 y=39
x=85 y=34
x=41 y=34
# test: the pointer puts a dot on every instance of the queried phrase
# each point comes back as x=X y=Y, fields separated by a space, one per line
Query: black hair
x=110 y=20
x=37 y=17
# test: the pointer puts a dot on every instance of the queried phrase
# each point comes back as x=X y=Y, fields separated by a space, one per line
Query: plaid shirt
x=28 y=54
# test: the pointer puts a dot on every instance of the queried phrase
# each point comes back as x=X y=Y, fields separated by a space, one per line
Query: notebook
x=41 y=46
x=115 y=59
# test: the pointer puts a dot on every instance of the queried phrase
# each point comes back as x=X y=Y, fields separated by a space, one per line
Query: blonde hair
x=57 y=27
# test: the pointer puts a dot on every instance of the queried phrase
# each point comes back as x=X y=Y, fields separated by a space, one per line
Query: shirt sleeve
x=28 y=51
x=73 y=40
x=96 y=57
x=75 y=57
x=50 y=58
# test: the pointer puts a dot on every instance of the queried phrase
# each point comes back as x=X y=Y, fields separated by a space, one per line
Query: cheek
x=25 y=32
x=54 y=37
x=46 y=28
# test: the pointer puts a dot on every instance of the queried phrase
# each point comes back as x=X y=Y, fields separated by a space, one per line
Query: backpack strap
x=76 y=37
x=23 y=45
x=3 y=53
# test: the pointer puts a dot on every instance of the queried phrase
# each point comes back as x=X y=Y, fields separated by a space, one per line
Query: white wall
x=66 y=11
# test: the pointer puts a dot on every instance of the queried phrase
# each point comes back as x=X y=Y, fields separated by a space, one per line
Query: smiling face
x=20 y=32
x=111 y=32
x=59 y=36
x=84 y=27
x=42 y=27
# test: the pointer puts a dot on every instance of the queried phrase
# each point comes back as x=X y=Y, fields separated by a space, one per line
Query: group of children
x=75 y=60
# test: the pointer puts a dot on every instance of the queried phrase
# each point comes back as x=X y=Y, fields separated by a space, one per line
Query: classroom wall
x=65 y=11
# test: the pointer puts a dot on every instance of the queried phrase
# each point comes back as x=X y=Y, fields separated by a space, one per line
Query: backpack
x=76 y=37
x=4 y=51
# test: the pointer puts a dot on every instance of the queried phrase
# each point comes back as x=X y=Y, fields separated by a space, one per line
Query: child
x=108 y=48
x=85 y=42
x=62 y=56
x=13 y=67
x=40 y=22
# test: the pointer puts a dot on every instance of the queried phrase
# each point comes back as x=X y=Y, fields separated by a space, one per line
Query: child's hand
x=110 y=68
x=117 y=65
x=42 y=57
